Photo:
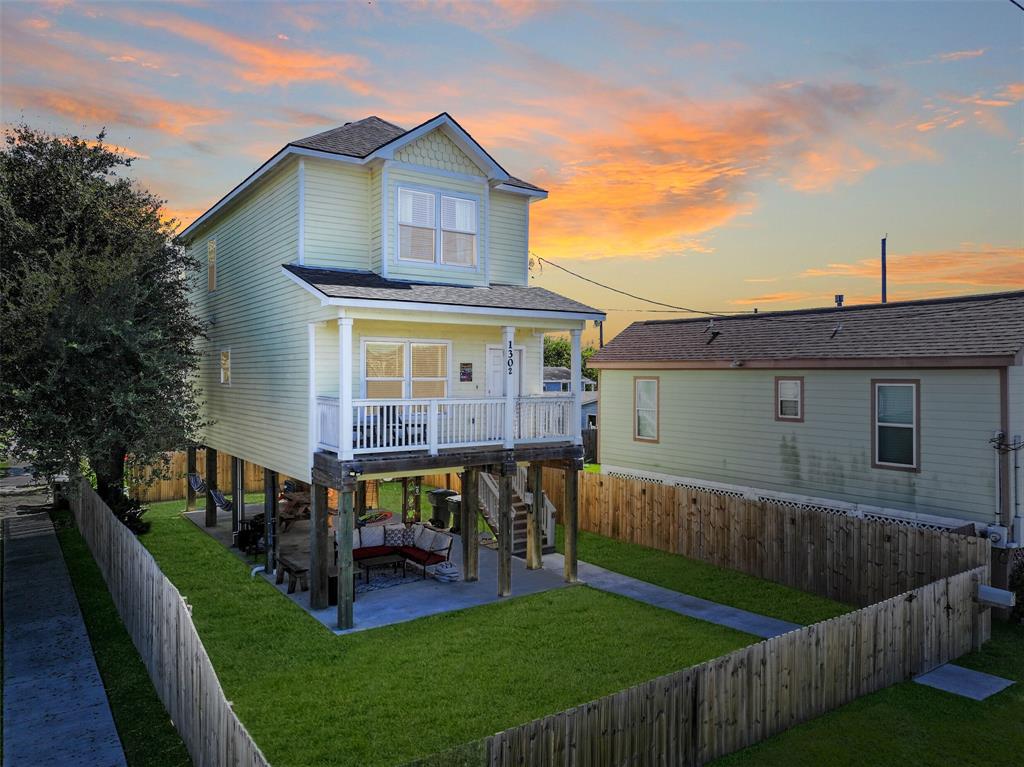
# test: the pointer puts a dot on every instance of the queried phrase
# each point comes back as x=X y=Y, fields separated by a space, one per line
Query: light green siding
x=507 y=243
x=406 y=270
x=719 y=426
x=337 y=214
x=468 y=343
x=262 y=317
x=375 y=175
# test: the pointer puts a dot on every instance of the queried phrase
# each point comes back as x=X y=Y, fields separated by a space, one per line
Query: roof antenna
x=836 y=329
x=883 y=266
x=714 y=332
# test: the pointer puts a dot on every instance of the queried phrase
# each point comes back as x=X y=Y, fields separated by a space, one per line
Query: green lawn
x=148 y=737
x=914 y=725
x=406 y=691
x=699 y=579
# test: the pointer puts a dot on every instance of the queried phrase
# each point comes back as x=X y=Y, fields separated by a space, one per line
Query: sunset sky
x=716 y=156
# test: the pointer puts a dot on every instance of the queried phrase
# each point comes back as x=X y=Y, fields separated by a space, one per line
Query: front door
x=497 y=372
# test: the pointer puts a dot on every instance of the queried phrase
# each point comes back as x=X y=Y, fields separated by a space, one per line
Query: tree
x=98 y=342
x=558 y=353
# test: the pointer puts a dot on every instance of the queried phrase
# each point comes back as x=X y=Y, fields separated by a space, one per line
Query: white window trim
x=211 y=285
x=438 y=192
x=913 y=426
x=406 y=344
x=779 y=399
x=220 y=367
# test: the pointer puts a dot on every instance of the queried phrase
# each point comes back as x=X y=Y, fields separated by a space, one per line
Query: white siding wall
x=337 y=203
x=508 y=246
x=720 y=426
x=261 y=316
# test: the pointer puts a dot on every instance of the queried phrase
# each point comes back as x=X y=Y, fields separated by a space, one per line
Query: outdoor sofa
x=418 y=543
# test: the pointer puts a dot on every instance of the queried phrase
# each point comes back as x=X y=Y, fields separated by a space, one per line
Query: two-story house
x=366 y=293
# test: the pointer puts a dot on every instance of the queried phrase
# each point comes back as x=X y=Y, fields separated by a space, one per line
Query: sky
x=721 y=157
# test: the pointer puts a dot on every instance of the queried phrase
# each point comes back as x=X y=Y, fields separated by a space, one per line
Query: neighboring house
x=369 y=312
x=559 y=379
x=887 y=410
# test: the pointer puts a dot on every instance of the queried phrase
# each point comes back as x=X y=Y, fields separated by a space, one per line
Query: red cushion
x=421 y=556
x=372 y=551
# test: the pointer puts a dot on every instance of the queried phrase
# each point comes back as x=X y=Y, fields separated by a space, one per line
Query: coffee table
x=392 y=560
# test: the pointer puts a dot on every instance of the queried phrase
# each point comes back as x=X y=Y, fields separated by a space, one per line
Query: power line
x=623 y=292
x=1017 y=4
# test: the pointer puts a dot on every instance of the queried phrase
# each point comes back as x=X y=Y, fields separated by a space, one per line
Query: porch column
x=535 y=519
x=576 y=384
x=237 y=493
x=270 y=519
x=508 y=346
x=345 y=388
x=190 y=469
x=343 y=527
x=211 y=484
x=569 y=518
x=318 y=547
x=505 y=529
x=470 y=514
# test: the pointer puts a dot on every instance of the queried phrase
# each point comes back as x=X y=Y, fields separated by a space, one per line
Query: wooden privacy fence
x=726 y=704
x=175 y=486
x=852 y=560
x=160 y=625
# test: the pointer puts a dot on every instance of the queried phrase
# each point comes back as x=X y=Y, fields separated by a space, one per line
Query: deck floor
x=404 y=602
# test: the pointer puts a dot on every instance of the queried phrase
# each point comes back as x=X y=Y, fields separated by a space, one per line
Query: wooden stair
x=520 y=510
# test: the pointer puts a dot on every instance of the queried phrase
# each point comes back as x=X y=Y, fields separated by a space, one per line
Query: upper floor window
x=896 y=431
x=225 y=367
x=211 y=265
x=645 y=407
x=435 y=228
x=789 y=399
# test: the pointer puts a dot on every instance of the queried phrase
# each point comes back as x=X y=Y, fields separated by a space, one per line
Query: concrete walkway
x=55 y=707
x=684 y=604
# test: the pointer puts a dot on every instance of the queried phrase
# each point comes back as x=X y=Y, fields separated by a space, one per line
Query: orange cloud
x=979 y=266
x=109 y=108
x=787 y=296
x=260 y=63
x=822 y=169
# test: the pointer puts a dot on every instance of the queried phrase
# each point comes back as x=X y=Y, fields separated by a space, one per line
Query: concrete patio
x=404 y=602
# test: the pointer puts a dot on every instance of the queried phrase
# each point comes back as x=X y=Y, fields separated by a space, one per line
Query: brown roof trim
x=792 y=364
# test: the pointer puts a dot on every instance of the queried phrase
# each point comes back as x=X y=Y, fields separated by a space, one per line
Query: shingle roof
x=559 y=373
x=354 y=139
x=965 y=326
x=334 y=283
x=364 y=137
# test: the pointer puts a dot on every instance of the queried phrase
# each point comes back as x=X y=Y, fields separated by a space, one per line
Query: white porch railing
x=429 y=425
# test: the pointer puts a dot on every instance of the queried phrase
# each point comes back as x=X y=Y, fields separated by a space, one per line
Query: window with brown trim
x=645 y=409
x=895 y=424
x=789 y=398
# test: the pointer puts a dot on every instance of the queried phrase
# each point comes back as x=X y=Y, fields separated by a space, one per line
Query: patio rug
x=384 y=578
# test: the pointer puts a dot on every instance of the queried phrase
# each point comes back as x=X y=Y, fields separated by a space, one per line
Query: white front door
x=498 y=375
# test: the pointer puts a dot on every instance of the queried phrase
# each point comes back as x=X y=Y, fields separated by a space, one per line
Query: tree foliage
x=98 y=341
x=558 y=353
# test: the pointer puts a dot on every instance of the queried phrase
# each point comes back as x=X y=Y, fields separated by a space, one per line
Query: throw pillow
x=440 y=544
x=409 y=536
x=372 y=535
x=424 y=539
x=394 y=535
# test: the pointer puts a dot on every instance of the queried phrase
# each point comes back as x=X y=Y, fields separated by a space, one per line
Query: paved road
x=55 y=707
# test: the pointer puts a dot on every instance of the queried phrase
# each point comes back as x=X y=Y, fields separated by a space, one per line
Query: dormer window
x=437 y=228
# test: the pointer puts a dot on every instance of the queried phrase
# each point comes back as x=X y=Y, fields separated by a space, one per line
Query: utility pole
x=883 y=266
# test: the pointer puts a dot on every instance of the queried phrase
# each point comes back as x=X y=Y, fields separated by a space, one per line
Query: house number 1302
x=511 y=358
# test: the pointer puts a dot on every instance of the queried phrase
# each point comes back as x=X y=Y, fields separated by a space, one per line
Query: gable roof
x=352 y=287
x=371 y=138
x=964 y=330
x=559 y=373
